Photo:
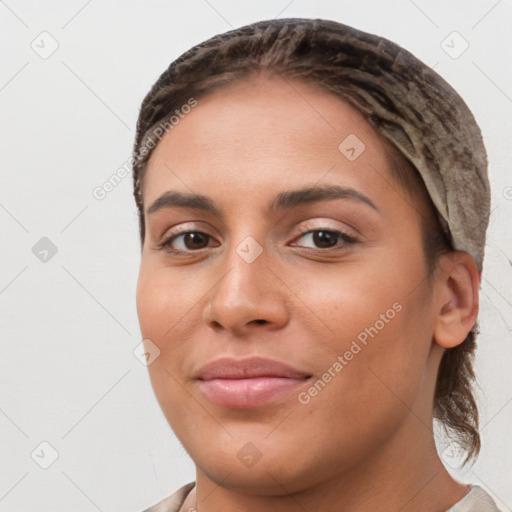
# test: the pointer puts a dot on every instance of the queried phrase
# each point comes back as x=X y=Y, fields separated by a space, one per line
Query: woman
x=313 y=204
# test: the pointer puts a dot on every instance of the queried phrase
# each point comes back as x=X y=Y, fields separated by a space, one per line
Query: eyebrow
x=281 y=201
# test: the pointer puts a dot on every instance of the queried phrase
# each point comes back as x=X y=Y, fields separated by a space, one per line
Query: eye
x=185 y=242
x=326 y=238
x=188 y=242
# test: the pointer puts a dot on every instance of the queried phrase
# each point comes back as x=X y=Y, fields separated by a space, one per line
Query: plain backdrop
x=74 y=397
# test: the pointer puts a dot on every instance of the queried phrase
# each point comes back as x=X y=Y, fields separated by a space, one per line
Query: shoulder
x=173 y=502
x=476 y=500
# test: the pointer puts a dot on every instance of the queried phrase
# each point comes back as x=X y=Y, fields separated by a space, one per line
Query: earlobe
x=457 y=283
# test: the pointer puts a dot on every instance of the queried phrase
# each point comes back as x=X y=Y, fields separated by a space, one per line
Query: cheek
x=373 y=392
x=163 y=301
x=169 y=309
x=160 y=306
x=380 y=323
x=347 y=301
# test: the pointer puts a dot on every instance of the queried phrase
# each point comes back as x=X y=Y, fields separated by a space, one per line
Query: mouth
x=248 y=382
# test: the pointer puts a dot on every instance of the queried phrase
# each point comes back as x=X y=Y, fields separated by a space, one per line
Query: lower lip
x=243 y=393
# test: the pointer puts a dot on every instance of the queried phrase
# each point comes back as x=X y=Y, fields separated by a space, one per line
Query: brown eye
x=195 y=240
x=186 y=241
x=325 y=239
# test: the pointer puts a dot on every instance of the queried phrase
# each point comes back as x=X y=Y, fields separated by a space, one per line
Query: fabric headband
x=404 y=99
x=428 y=121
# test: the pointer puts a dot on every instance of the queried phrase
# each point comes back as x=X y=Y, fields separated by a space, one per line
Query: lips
x=248 y=382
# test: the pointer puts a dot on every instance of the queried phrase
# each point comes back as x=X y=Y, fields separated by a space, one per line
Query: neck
x=391 y=478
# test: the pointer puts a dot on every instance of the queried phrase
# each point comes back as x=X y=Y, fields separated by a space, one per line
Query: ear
x=457 y=283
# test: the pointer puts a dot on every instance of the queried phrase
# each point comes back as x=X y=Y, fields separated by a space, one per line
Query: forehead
x=266 y=133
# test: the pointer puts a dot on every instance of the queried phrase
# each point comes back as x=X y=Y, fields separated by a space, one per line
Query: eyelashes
x=334 y=239
x=322 y=236
x=197 y=237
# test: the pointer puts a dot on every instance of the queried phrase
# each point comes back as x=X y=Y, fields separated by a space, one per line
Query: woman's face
x=332 y=282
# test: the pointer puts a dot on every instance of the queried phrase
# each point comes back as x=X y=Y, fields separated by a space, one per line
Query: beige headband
x=405 y=100
x=432 y=126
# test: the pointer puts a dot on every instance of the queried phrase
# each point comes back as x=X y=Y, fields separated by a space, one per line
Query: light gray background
x=69 y=325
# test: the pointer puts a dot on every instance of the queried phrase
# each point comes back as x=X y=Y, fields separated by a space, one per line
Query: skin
x=365 y=441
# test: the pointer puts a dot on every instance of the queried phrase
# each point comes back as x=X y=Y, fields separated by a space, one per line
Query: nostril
x=260 y=321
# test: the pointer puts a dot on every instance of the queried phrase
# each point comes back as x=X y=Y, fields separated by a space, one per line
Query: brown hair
x=454 y=404
x=317 y=52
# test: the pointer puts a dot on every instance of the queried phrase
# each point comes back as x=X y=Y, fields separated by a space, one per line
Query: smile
x=242 y=393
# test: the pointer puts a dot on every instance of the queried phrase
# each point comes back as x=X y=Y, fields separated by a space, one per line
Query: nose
x=249 y=295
